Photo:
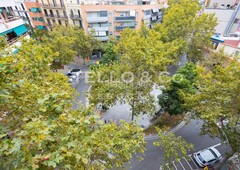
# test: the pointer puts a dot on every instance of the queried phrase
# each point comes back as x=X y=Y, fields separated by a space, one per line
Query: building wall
x=55 y=12
x=223 y=17
x=115 y=11
x=29 y=6
x=220 y=3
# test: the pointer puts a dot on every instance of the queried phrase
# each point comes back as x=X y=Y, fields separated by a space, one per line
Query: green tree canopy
x=143 y=57
x=217 y=100
x=182 y=82
x=183 y=20
x=40 y=130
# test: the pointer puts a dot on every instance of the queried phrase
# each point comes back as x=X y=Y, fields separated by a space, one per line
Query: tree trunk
x=133 y=111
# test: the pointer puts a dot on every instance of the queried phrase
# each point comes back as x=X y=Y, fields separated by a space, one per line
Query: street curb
x=173 y=130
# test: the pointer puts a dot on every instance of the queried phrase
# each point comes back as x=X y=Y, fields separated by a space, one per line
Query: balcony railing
x=11 y=19
x=122 y=27
x=125 y=18
x=61 y=17
x=16 y=39
x=75 y=17
x=49 y=15
x=25 y=19
x=20 y=10
x=53 y=5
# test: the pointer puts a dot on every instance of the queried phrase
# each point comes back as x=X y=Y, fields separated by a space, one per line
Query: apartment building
x=106 y=18
x=227 y=13
x=74 y=11
x=55 y=12
x=11 y=25
x=31 y=12
x=103 y=17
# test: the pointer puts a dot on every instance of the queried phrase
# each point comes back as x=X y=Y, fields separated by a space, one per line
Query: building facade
x=102 y=17
x=227 y=13
x=12 y=27
x=111 y=18
x=31 y=12
x=55 y=12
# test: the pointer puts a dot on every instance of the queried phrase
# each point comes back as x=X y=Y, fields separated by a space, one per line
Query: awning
x=20 y=30
x=217 y=39
x=6 y=32
x=40 y=27
x=33 y=9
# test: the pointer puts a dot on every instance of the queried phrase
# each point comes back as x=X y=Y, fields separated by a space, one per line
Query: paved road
x=153 y=156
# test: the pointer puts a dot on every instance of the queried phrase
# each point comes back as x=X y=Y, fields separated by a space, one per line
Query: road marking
x=216 y=145
x=181 y=165
x=187 y=162
x=174 y=165
x=193 y=162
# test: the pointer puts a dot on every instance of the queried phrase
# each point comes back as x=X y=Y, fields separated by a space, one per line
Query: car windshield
x=75 y=70
x=201 y=159
x=213 y=153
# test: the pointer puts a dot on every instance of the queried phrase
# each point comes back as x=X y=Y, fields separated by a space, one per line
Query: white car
x=77 y=72
x=207 y=157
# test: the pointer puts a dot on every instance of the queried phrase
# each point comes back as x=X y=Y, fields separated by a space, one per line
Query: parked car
x=207 y=157
x=72 y=78
x=77 y=72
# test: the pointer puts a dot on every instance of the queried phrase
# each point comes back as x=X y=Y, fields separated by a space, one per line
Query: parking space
x=183 y=164
x=189 y=162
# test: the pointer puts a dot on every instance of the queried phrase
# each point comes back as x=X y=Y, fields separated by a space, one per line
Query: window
x=57 y=13
x=103 y=13
x=148 y=12
x=59 y=22
x=124 y=14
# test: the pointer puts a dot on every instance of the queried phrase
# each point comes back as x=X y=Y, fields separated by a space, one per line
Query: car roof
x=207 y=155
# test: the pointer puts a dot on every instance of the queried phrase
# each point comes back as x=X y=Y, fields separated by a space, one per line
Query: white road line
x=174 y=165
x=216 y=145
x=187 y=163
x=193 y=162
x=181 y=165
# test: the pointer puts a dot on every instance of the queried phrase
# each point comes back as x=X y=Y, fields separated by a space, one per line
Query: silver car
x=207 y=157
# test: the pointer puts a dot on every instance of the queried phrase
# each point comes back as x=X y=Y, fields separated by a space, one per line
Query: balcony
x=57 y=6
x=122 y=27
x=75 y=17
x=98 y=28
x=25 y=18
x=49 y=15
x=104 y=38
x=20 y=10
x=125 y=18
x=61 y=17
x=10 y=24
x=97 y=19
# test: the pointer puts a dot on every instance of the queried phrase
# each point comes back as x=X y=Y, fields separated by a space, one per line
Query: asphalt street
x=153 y=156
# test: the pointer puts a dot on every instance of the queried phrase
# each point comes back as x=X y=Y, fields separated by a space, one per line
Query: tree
x=217 y=100
x=181 y=19
x=143 y=57
x=182 y=82
x=38 y=34
x=40 y=130
x=174 y=147
x=110 y=54
x=61 y=41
